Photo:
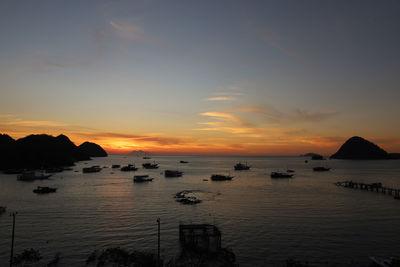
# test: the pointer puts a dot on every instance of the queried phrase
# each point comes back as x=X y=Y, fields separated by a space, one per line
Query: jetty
x=373 y=187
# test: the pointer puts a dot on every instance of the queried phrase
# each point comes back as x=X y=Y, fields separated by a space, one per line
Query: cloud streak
x=221 y=98
x=129 y=32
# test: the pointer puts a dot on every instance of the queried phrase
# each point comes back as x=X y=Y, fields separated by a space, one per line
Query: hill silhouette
x=92 y=150
x=358 y=148
x=39 y=151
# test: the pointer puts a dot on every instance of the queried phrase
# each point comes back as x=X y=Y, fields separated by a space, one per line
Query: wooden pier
x=374 y=187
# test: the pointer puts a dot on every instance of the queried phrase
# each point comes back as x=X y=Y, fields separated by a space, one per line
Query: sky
x=202 y=77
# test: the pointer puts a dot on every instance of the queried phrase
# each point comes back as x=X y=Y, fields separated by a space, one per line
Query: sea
x=263 y=221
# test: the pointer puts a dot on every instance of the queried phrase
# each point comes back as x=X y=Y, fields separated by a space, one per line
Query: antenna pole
x=158 y=254
x=12 y=238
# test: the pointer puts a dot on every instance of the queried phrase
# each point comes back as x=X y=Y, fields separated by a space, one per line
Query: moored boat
x=183 y=161
x=129 y=167
x=141 y=178
x=44 y=190
x=321 y=169
x=220 y=177
x=242 y=167
x=281 y=175
x=114 y=166
x=149 y=165
x=172 y=173
x=95 y=168
x=31 y=176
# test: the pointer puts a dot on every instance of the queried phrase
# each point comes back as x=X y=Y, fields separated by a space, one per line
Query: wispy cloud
x=221 y=98
x=130 y=32
x=226 y=116
x=272 y=114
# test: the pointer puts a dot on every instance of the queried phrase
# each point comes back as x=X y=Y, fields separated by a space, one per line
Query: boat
x=31 y=176
x=183 y=161
x=115 y=166
x=289 y=170
x=171 y=173
x=141 y=178
x=2 y=210
x=150 y=165
x=146 y=156
x=241 y=167
x=129 y=167
x=281 y=175
x=219 y=177
x=95 y=168
x=321 y=169
x=44 y=190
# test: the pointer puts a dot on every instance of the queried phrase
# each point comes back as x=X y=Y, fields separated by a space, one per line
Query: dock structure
x=373 y=187
x=200 y=237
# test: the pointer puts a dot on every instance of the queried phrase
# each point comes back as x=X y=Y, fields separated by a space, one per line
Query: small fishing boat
x=129 y=167
x=183 y=161
x=171 y=173
x=219 y=177
x=150 y=165
x=242 y=167
x=281 y=175
x=321 y=169
x=115 y=166
x=95 y=168
x=31 y=176
x=141 y=178
x=44 y=190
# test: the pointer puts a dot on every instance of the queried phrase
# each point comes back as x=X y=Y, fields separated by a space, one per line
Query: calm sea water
x=263 y=220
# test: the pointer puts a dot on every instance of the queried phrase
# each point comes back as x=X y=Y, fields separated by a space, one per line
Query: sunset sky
x=202 y=77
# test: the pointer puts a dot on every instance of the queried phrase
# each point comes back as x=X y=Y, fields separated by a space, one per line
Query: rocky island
x=44 y=151
x=357 y=148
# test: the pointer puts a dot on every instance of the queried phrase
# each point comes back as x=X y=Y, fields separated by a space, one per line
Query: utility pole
x=158 y=254
x=12 y=238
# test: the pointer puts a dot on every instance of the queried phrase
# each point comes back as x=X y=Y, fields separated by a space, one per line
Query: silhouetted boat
x=146 y=157
x=95 y=168
x=242 y=167
x=114 y=166
x=183 y=161
x=171 y=173
x=44 y=190
x=321 y=169
x=141 y=178
x=219 y=177
x=129 y=167
x=289 y=170
x=281 y=175
x=31 y=176
x=2 y=210
x=150 y=165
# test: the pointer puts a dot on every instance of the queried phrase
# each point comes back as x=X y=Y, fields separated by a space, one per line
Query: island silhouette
x=358 y=148
x=44 y=151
